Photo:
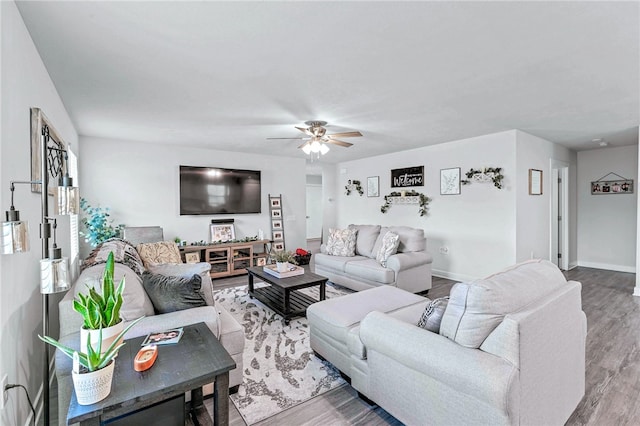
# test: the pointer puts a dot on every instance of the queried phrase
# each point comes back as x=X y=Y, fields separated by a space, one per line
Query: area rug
x=280 y=370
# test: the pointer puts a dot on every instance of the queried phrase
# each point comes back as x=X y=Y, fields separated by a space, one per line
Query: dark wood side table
x=282 y=295
x=196 y=360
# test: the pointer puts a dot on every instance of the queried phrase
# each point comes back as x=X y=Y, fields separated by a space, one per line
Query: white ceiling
x=227 y=75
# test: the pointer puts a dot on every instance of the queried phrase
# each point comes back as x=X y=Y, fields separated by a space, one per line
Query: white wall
x=533 y=212
x=139 y=183
x=607 y=223
x=478 y=226
x=25 y=83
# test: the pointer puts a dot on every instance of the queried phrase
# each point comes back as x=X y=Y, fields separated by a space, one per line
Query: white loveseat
x=510 y=350
x=408 y=269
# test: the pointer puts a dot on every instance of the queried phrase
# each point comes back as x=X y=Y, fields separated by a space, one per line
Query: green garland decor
x=423 y=202
x=496 y=177
x=353 y=184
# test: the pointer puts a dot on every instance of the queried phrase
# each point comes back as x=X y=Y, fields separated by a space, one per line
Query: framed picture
x=278 y=235
x=450 y=181
x=373 y=186
x=276 y=224
x=277 y=213
x=275 y=203
x=535 y=182
x=193 y=257
x=261 y=261
x=279 y=246
x=409 y=176
x=607 y=187
x=222 y=232
x=38 y=121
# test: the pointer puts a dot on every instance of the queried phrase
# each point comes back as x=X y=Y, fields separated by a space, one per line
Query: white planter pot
x=94 y=386
x=109 y=334
x=282 y=266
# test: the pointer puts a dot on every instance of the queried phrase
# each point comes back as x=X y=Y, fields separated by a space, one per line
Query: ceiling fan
x=316 y=138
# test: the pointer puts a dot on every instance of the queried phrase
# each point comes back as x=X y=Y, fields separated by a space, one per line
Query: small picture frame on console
x=193 y=257
x=222 y=232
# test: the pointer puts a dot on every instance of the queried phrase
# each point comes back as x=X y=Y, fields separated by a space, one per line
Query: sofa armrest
x=154 y=323
x=469 y=371
x=323 y=248
x=402 y=261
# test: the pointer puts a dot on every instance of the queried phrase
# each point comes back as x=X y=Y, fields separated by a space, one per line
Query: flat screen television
x=210 y=190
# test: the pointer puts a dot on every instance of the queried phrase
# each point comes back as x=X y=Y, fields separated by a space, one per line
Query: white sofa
x=510 y=351
x=409 y=269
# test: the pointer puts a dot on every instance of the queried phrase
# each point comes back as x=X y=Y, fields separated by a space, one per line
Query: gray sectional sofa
x=136 y=303
x=408 y=269
x=510 y=349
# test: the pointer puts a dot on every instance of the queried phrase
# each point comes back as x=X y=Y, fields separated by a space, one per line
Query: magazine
x=163 y=337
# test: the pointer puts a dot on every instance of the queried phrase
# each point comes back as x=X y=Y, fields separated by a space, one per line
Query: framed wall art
x=276 y=224
x=56 y=146
x=608 y=187
x=278 y=235
x=222 y=232
x=373 y=186
x=278 y=246
x=450 y=181
x=276 y=213
x=535 y=182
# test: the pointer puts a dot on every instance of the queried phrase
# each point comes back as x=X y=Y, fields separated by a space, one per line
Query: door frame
x=559 y=169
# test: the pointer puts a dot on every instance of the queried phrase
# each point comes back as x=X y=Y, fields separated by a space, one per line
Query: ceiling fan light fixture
x=315 y=146
x=306 y=149
x=324 y=149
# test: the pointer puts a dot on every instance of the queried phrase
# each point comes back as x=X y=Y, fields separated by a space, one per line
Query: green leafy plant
x=284 y=256
x=490 y=173
x=99 y=227
x=423 y=201
x=353 y=185
x=101 y=310
x=93 y=360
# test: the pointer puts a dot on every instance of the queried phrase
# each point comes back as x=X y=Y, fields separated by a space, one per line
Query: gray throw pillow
x=432 y=315
x=169 y=294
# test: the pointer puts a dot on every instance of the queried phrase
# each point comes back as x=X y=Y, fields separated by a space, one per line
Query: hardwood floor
x=613 y=361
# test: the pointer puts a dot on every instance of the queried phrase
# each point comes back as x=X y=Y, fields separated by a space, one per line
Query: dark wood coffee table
x=282 y=295
x=196 y=360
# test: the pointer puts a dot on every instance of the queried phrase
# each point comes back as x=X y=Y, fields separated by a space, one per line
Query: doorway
x=314 y=207
x=559 y=249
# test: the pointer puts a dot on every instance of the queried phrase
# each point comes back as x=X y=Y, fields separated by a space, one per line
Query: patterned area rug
x=280 y=370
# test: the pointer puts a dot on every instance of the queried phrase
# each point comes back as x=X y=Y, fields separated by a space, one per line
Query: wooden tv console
x=229 y=259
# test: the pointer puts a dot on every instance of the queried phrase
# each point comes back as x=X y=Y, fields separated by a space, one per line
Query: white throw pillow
x=389 y=246
x=342 y=242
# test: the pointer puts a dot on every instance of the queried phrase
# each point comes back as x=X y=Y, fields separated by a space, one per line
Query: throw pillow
x=123 y=253
x=432 y=315
x=389 y=246
x=161 y=252
x=170 y=294
x=342 y=242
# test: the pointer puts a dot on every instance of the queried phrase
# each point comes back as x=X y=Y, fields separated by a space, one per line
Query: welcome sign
x=410 y=176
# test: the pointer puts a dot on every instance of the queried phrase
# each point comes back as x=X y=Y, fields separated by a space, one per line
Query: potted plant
x=99 y=227
x=92 y=370
x=101 y=312
x=283 y=258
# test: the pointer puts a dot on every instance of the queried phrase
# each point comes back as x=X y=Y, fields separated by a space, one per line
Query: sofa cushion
x=123 y=252
x=336 y=263
x=370 y=270
x=366 y=238
x=187 y=270
x=342 y=242
x=160 y=252
x=475 y=309
x=388 y=247
x=170 y=294
x=433 y=313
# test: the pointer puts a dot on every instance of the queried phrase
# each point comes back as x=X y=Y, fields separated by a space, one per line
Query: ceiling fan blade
x=345 y=135
x=303 y=130
x=339 y=143
x=286 y=138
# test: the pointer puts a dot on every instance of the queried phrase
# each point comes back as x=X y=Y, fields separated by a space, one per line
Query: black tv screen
x=209 y=190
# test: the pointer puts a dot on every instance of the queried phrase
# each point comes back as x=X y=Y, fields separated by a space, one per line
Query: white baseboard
x=572 y=265
x=608 y=266
x=452 y=275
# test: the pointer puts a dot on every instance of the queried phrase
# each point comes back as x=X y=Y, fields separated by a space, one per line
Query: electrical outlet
x=444 y=250
x=5 y=394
